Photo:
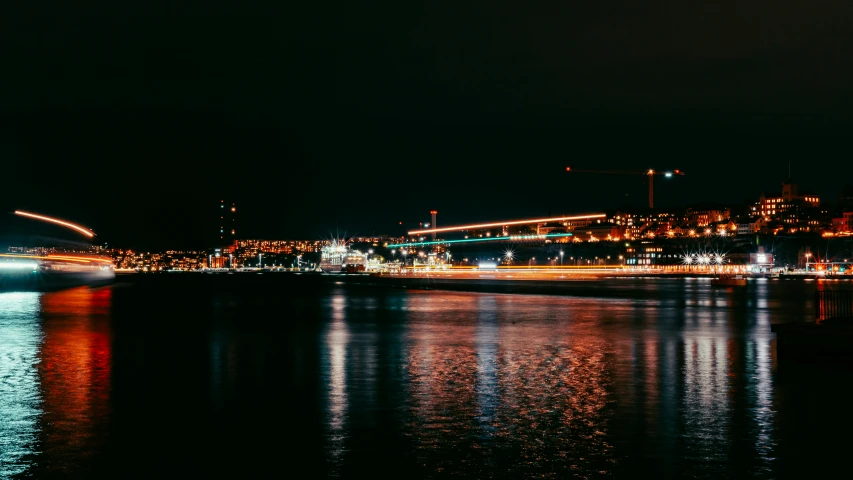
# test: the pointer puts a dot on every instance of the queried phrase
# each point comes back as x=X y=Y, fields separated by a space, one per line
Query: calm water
x=666 y=378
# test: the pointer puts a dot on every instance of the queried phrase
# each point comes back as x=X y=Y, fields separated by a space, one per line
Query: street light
x=561 y=258
x=808 y=255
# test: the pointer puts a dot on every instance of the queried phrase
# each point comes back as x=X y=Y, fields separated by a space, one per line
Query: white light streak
x=18 y=265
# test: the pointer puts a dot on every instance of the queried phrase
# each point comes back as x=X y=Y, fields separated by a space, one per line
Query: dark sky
x=137 y=120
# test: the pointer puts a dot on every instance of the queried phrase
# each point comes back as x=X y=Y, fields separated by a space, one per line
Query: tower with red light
x=226 y=234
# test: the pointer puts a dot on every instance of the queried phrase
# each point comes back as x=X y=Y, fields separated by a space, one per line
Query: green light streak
x=491 y=239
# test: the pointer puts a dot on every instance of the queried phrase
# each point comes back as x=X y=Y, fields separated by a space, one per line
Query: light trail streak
x=459 y=268
x=487 y=239
x=501 y=224
x=57 y=221
x=69 y=258
x=561 y=267
x=77 y=258
x=18 y=265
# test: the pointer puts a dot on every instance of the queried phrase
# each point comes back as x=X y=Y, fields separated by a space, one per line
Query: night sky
x=136 y=121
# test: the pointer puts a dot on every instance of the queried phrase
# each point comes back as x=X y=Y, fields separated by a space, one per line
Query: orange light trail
x=70 y=258
x=501 y=224
x=78 y=258
x=560 y=267
x=524 y=267
x=40 y=257
x=57 y=221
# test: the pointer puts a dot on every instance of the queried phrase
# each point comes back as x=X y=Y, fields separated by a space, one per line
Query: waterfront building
x=688 y=254
x=599 y=231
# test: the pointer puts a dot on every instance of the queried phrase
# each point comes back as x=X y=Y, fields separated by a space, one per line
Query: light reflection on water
x=55 y=360
x=76 y=378
x=678 y=382
x=336 y=340
x=560 y=386
x=20 y=396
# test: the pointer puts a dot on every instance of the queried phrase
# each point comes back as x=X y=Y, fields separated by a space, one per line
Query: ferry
x=53 y=272
x=43 y=256
x=338 y=257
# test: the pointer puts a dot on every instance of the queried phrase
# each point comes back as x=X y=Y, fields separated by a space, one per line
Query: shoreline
x=303 y=282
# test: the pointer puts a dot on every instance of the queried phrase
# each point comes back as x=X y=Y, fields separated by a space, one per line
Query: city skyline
x=415 y=240
x=356 y=119
x=213 y=234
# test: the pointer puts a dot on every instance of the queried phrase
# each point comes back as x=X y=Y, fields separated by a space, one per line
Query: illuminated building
x=703 y=216
x=599 y=231
x=773 y=205
x=844 y=223
x=652 y=253
x=551 y=227
x=760 y=261
x=280 y=246
x=747 y=228
x=694 y=254
x=649 y=224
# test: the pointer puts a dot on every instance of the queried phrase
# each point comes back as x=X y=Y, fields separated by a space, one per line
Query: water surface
x=670 y=378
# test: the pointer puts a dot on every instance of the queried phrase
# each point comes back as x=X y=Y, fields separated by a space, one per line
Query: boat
x=47 y=273
x=338 y=257
x=46 y=256
x=729 y=280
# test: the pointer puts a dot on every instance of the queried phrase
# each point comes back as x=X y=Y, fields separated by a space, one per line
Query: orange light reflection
x=75 y=372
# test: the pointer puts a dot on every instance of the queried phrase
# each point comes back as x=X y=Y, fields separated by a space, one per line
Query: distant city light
x=491 y=239
x=501 y=224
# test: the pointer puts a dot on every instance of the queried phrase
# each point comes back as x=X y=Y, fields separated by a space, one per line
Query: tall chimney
x=434 y=213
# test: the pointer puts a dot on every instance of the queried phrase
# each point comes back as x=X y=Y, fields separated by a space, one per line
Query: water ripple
x=20 y=396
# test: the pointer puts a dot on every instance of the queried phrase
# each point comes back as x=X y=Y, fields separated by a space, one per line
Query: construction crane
x=649 y=173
